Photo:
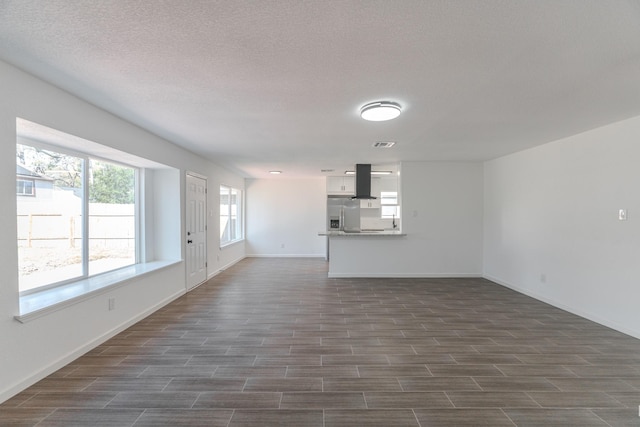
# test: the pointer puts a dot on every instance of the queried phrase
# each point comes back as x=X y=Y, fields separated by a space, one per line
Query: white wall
x=287 y=212
x=442 y=216
x=220 y=258
x=32 y=350
x=551 y=224
x=162 y=189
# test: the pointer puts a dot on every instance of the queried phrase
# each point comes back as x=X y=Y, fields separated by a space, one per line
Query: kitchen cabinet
x=370 y=204
x=341 y=185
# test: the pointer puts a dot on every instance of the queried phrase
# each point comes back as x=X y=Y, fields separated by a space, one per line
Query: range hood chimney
x=363 y=182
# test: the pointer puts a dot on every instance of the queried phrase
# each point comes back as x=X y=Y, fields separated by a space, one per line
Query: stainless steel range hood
x=363 y=182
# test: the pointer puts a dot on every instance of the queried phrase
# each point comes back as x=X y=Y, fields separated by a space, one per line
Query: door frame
x=188 y=285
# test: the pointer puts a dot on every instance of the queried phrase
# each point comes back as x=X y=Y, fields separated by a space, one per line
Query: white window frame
x=33 y=187
x=85 y=211
x=395 y=205
x=239 y=214
x=155 y=254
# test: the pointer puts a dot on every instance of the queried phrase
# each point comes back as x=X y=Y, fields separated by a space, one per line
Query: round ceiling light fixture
x=380 y=111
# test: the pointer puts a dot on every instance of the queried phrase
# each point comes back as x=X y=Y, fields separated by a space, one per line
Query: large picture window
x=82 y=222
x=230 y=215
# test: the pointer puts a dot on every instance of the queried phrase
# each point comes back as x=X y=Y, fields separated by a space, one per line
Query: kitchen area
x=363 y=208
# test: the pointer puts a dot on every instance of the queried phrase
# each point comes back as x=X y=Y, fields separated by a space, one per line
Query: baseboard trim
x=404 y=276
x=573 y=310
x=73 y=355
x=286 y=256
x=224 y=267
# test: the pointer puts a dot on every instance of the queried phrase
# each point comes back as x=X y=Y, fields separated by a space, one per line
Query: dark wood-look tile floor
x=274 y=342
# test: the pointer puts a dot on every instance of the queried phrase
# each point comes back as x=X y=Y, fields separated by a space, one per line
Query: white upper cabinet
x=375 y=192
x=341 y=185
x=370 y=204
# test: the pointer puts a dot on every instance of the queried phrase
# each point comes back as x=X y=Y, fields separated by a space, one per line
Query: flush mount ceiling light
x=380 y=111
x=275 y=172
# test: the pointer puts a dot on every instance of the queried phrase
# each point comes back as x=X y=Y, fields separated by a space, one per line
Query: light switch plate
x=622 y=214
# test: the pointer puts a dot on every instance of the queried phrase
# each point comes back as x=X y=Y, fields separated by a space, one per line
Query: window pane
x=49 y=224
x=388 y=198
x=112 y=226
x=233 y=221
x=230 y=215
x=25 y=187
x=390 y=212
x=224 y=215
x=389 y=202
x=28 y=187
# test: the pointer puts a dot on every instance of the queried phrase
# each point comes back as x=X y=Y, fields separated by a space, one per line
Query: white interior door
x=196 y=231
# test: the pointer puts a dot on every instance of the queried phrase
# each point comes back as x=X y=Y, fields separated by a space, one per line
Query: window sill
x=40 y=303
x=231 y=243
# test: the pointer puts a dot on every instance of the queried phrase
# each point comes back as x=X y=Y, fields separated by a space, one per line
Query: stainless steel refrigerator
x=343 y=214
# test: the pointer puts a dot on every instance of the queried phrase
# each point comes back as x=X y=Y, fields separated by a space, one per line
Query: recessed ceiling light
x=275 y=172
x=380 y=111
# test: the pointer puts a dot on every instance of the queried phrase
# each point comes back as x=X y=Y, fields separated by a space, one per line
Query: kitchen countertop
x=334 y=233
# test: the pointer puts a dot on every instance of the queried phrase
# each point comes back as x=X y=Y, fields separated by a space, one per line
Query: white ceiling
x=277 y=84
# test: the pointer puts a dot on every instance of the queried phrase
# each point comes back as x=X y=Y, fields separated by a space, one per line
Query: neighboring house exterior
x=37 y=194
x=43 y=210
x=32 y=185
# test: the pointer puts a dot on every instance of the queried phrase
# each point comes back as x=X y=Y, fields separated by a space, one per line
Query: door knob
x=189 y=241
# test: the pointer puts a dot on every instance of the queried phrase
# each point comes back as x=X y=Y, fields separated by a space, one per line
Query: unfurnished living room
x=320 y=213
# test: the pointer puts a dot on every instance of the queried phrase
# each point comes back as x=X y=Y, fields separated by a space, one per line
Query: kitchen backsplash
x=368 y=223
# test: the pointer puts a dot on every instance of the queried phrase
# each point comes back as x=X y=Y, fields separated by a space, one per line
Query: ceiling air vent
x=383 y=144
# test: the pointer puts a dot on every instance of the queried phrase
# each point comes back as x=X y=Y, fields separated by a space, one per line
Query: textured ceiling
x=261 y=85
